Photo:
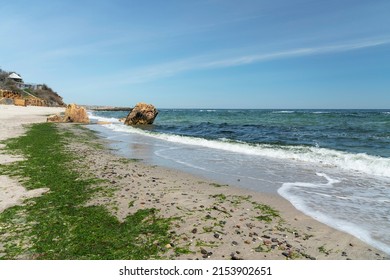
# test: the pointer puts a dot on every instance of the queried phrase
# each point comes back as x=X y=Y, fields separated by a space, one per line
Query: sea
x=333 y=165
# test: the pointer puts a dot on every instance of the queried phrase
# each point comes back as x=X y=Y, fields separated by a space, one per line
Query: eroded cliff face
x=34 y=94
x=142 y=114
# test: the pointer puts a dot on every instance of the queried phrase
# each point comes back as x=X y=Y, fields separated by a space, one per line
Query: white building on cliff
x=17 y=79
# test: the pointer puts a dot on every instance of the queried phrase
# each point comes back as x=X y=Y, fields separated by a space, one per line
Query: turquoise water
x=356 y=131
x=333 y=165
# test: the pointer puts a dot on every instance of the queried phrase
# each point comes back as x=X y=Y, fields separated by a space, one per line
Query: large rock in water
x=77 y=114
x=141 y=114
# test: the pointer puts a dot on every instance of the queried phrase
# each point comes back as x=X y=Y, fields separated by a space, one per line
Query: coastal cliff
x=13 y=90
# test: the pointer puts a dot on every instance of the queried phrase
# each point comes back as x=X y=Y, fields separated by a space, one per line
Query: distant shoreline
x=107 y=108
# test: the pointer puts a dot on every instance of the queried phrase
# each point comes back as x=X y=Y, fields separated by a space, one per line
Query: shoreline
x=325 y=242
x=212 y=221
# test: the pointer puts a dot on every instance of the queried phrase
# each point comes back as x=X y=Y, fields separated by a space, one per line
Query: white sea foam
x=364 y=203
x=304 y=197
x=368 y=164
x=283 y=112
x=364 y=163
x=161 y=154
x=102 y=119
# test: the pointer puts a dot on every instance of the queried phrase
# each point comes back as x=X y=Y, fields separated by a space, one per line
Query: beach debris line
x=73 y=113
x=141 y=114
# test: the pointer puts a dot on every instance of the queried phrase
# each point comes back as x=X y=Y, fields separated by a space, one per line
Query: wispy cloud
x=159 y=71
x=154 y=72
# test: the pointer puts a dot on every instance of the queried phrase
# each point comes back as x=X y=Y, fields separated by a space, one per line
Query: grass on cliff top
x=58 y=225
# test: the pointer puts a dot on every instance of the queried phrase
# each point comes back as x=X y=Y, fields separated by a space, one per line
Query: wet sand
x=216 y=221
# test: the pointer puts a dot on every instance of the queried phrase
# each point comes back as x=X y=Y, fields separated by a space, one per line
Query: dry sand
x=12 y=118
x=213 y=221
x=12 y=121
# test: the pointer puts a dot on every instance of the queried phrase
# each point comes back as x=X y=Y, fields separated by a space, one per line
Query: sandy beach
x=213 y=221
x=12 y=121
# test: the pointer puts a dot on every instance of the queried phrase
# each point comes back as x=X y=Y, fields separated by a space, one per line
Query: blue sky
x=203 y=53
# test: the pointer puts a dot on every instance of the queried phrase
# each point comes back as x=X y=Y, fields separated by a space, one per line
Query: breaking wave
x=361 y=162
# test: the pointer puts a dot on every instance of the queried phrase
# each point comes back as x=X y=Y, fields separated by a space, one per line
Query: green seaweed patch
x=239 y=199
x=264 y=218
x=129 y=160
x=262 y=249
x=207 y=229
x=307 y=236
x=87 y=136
x=131 y=204
x=183 y=251
x=59 y=225
x=323 y=250
x=200 y=243
x=216 y=185
x=220 y=197
x=267 y=212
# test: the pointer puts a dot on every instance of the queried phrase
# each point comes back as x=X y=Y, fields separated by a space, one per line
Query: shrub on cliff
x=52 y=97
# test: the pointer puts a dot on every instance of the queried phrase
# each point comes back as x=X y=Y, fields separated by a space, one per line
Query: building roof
x=14 y=76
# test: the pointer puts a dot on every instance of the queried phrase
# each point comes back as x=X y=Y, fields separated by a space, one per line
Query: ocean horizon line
x=264 y=109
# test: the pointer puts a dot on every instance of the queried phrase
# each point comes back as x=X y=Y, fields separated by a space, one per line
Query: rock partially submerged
x=73 y=113
x=141 y=114
x=77 y=114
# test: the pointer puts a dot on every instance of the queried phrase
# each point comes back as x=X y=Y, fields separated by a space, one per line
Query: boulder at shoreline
x=141 y=114
x=73 y=113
